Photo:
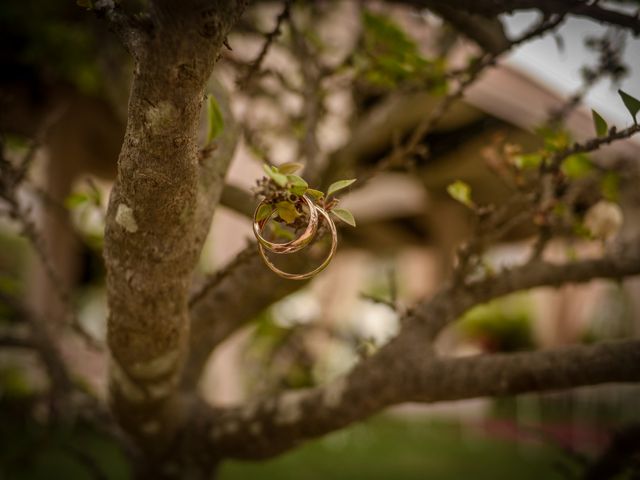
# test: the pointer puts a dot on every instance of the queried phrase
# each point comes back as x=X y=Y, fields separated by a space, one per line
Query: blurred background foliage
x=52 y=40
x=34 y=448
x=503 y=325
x=549 y=436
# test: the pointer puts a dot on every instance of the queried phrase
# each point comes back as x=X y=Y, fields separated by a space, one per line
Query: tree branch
x=227 y=291
x=491 y=8
x=269 y=39
x=488 y=33
x=451 y=302
x=406 y=369
x=238 y=200
x=271 y=427
x=594 y=143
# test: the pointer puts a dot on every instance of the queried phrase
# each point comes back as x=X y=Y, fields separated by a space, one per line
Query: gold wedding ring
x=294 y=245
x=299 y=276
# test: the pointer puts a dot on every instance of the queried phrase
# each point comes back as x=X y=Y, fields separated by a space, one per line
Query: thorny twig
x=591 y=145
x=269 y=39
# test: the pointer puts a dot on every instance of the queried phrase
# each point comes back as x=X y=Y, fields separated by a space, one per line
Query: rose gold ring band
x=294 y=245
x=322 y=266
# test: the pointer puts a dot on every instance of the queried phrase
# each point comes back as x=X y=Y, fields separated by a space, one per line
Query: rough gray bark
x=404 y=371
x=155 y=227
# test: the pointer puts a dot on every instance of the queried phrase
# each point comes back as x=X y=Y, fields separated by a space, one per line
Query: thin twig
x=269 y=39
x=592 y=144
x=313 y=98
x=466 y=77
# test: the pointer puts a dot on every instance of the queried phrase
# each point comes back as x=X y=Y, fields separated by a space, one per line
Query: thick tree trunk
x=153 y=233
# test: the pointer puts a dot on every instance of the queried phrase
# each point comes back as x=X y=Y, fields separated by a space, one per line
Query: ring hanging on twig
x=294 y=245
x=322 y=266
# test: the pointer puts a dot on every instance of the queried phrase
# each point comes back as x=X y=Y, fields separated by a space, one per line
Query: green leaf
x=577 y=166
x=216 y=122
x=75 y=200
x=88 y=4
x=610 y=186
x=580 y=230
x=15 y=142
x=387 y=56
x=287 y=211
x=528 y=160
x=560 y=209
x=461 y=192
x=290 y=167
x=339 y=185
x=599 y=123
x=264 y=211
x=345 y=215
x=554 y=140
x=297 y=185
x=632 y=104
x=317 y=194
x=14 y=383
x=273 y=174
x=9 y=285
x=281 y=232
x=385 y=38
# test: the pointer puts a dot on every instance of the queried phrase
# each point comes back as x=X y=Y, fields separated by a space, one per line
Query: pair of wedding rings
x=315 y=212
